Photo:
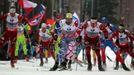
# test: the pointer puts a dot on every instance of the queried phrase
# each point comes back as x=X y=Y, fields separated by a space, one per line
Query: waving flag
x=50 y=22
x=39 y=16
x=76 y=19
x=28 y=6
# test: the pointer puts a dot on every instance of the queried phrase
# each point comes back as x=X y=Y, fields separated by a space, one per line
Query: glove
x=78 y=39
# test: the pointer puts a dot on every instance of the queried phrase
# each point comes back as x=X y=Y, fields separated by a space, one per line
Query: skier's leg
x=46 y=55
x=62 y=52
x=25 y=50
x=47 y=49
x=64 y=64
x=13 y=35
x=99 y=59
x=55 y=67
x=88 y=58
x=51 y=51
x=120 y=59
x=102 y=48
x=69 y=64
x=103 y=55
x=41 y=56
x=12 y=51
x=17 y=47
x=113 y=47
x=132 y=63
x=96 y=47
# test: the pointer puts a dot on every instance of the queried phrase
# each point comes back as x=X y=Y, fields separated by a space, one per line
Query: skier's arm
x=104 y=31
x=3 y=17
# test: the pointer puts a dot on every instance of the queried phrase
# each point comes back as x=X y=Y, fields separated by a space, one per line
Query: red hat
x=58 y=17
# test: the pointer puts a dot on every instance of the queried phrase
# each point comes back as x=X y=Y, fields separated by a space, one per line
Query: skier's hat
x=104 y=20
x=58 y=16
x=43 y=25
x=69 y=15
x=121 y=26
x=12 y=9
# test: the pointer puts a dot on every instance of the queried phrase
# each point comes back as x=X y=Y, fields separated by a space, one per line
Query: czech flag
x=28 y=6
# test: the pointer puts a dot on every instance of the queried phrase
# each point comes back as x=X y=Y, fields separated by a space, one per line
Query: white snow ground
x=33 y=68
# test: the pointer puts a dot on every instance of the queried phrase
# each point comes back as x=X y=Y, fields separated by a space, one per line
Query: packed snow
x=32 y=67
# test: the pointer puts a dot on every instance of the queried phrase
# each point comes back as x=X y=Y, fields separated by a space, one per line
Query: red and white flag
x=28 y=6
x=36 y=20
x=76 y=19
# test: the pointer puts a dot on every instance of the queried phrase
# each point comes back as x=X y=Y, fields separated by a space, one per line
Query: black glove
x=78 y=39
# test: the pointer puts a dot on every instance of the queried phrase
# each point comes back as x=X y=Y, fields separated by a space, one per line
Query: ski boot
x=46 y=61
x=42 y=63
x=125 y=67
x=94 y=62
x=104 y=65
x=12 y=64
x=15 y=60
x=69 y=65
x=117 y=66
x=27 y=58
x=54 y=68
x=89 y=68
x=63 y=66
x=132 y=64
x=100 y=67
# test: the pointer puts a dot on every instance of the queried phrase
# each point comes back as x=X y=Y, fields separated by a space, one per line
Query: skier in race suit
x=45 y=41
x=12 y=19
x=106 y=38
x=69 y=35
x=92 y=40
x=123 y=37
